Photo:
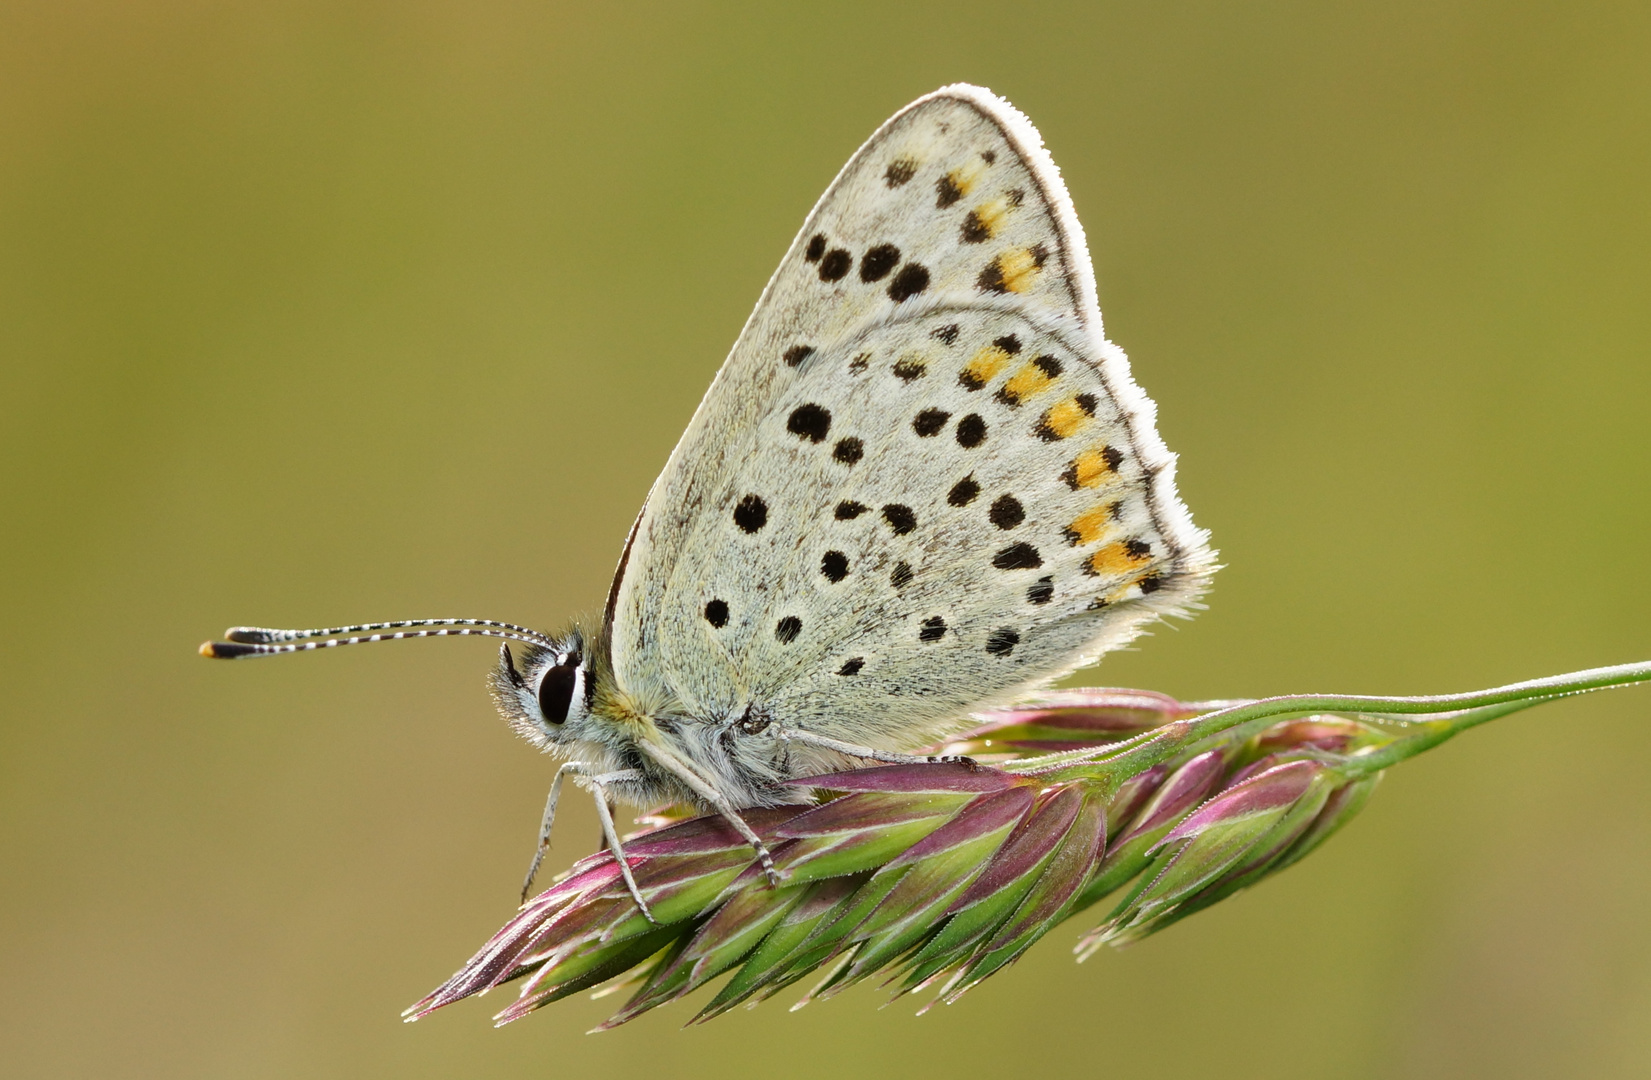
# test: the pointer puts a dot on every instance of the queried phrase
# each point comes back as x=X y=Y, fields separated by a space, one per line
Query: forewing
x=941 y=288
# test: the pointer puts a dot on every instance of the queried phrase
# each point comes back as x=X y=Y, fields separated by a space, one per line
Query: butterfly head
x=546 y=694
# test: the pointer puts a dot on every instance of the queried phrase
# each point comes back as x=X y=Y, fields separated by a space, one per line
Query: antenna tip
x=223 y=650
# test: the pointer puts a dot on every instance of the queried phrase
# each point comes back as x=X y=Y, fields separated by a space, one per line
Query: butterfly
x=923 y=483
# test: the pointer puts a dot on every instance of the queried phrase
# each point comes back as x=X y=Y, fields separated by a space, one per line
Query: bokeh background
x=313 y=312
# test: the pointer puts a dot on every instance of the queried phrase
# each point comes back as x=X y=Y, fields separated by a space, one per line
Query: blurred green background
x=313 y=312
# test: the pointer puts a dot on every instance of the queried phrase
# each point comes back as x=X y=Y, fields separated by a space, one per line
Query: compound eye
x=556 y=692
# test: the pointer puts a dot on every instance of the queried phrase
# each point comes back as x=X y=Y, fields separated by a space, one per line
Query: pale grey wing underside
x=942 y=510
x=950 y=215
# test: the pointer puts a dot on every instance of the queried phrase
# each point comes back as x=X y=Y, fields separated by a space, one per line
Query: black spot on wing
x=810 y=422
x=1021 y=556
x=1009 y=343
x=900 y=171
x=848 y=451
x=907 y=370
x=963 y=492
x=716 y=613
x=797 y=354
x=816 y=247
x=834 y=565
x=933 y=629
x=787 y=629
x=928 y=423
x=1002 y=641
x=1049 y=366
x=900 y=518
x=975 y=230
x=901 y=575
x=911 y=280
x=848 y=510
x=836 y=265
x=1041 y=591
x=751 y=514
x=947 y=333
x=876 y=263
x=852 y=667
x=971 y=431
x=1006 y=512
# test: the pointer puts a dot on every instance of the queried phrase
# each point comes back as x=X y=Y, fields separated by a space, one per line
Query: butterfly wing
x=923 y=480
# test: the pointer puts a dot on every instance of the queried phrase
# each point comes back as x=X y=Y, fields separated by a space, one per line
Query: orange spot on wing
x=965 y=177
x=1029 y=380
x=1065 y=418
x=984 y=367
x=984 y=221
x=1092 y=468
x=1014 y=271
x=1141 y=585
x=1119 y=558
x=1090 y=525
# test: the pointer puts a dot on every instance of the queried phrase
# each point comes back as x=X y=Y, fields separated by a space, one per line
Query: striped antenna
x=264 y=641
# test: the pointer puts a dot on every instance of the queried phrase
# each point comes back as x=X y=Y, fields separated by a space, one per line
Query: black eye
x=556 y=691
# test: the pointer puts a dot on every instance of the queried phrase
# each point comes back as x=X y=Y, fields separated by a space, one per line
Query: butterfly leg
x=718 y=802
x=546 y=822
x=889 y=757
x=598 y=785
